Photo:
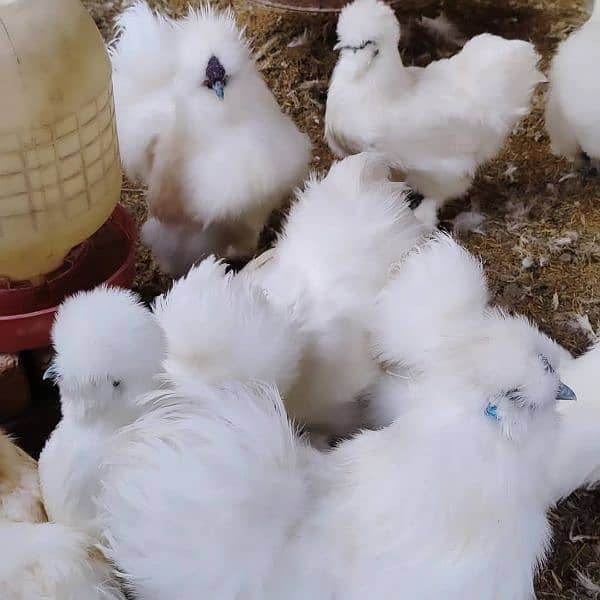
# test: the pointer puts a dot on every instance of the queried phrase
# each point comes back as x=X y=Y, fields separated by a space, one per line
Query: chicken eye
x=547 y=366
x=515 y=395
x=116 y=383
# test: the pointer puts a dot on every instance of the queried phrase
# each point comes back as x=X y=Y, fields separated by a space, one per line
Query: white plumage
x=220 y=327
x=40 y=560
x=338 y=246
x=108 y=350
x=573 y=106
x=578 y=457
x=449 y=501
x=437 y=125
x=198 y=124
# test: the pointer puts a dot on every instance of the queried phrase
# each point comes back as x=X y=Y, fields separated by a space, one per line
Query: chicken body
x=578 y=459
x=449 y=501
x=435 y=125
x=198 y=124
x=340 y=242
x=573 y=110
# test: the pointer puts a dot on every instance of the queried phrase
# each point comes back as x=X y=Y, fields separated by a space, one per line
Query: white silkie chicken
x=573 y=106
x=212 y=495
x=341 y=239
x=198 y=124
x=577 y=461
x=220 y=327
x=437 y=124
x=40 y=560
x=108 y=350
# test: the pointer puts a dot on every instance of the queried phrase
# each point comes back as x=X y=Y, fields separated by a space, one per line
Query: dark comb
x=215 y=71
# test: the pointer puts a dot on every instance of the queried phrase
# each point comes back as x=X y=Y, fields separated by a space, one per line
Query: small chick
x=577 y=461
x=437 y=124
x=340 y=241
x=573 y=109
x=448 y=502
x=198 y=124
x=40 y=560
x=108 y=350
x=220 y=327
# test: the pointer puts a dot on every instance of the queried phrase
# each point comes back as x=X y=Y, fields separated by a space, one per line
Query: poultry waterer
x=60 y=175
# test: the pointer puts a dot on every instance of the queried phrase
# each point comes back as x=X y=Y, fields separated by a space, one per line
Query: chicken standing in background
x=573 y=106
x=220 y=327
x=100 y=371
x=198 y=124
x=340 y=241
x=448 y=502
x=40 y=560
x=437 y=124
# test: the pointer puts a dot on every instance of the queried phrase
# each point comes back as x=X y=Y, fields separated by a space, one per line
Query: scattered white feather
x=468 y=221
x=587 y=583
x=582 y=323
x=300 y=40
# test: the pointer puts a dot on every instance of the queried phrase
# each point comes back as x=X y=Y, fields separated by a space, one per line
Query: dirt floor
x=541 y=236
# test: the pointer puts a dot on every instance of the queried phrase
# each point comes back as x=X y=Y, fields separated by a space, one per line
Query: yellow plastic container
x=60 y=174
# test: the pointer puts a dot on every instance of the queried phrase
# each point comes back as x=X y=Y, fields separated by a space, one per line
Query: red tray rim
x=122 y=216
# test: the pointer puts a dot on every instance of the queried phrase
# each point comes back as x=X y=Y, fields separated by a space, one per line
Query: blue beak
x=219 y=88
x=565 y=393
x=492 y=412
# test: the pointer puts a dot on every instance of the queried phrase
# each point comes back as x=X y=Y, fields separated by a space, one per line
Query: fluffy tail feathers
x=230 y=488
x=221 y=327
x=505 y=74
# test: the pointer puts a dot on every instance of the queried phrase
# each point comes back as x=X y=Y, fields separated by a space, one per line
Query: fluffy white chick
x=437 y=124
x=220 y=327
x=449 y=501
x=40 y=560
x=225 y=155
x=336 y=251
x=577 y=462
x=572 y=109
x=109 y=348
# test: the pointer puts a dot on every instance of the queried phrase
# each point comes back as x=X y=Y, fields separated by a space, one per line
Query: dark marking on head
x=414 y=199
x=547 y=366
x=215 y=73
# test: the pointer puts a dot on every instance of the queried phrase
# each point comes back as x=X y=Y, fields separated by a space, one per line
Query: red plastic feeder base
x=27 y=311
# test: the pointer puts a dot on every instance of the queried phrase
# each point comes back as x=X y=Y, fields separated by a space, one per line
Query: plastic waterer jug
x=60 y=175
